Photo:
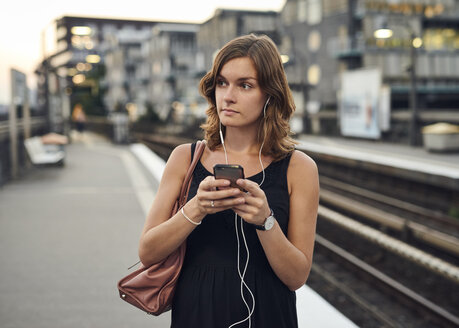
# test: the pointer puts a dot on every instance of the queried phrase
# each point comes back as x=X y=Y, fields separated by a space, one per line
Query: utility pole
x=413 y=93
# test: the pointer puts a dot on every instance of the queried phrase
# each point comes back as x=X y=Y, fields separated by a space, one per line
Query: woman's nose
x=229 y=95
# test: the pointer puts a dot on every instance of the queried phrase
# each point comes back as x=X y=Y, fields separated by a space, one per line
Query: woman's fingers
x=255 y=208
x=214 y=195
x=227 y=203
x=210 y=183
x=251 y=187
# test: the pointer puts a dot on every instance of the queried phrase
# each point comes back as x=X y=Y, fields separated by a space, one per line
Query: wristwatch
x=269 y=223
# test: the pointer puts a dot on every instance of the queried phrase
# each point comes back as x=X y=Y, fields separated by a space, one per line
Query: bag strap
x=200 y=146
x=180 y=202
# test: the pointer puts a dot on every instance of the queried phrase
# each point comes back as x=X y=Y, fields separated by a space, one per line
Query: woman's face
x=238 y=95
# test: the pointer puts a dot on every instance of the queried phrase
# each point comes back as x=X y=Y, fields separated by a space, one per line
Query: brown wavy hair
x=271 y=79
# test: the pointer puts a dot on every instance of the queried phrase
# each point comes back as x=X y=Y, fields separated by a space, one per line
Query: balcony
x=343 y=48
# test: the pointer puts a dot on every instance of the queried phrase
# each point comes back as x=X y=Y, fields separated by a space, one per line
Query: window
x=314 y=41
x=314 y=12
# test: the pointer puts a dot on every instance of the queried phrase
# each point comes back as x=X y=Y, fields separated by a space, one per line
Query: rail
x=435 y=238
x=392 y=244
x=398 y=290
x=35 y=123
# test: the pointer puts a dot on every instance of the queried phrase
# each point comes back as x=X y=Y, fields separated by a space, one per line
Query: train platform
x=415 y=163
x=396 y=155
x=68 y=234
x=384 y=153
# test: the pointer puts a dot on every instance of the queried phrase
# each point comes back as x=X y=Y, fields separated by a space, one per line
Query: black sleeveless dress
x=208 y=293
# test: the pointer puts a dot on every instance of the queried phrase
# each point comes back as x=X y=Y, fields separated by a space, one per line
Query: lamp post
x=415 y=42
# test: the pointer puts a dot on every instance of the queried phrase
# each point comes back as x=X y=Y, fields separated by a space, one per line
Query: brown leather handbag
x=152 y=288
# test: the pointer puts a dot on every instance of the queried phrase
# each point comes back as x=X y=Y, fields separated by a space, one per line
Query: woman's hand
x=214 y=196
x=255 y=208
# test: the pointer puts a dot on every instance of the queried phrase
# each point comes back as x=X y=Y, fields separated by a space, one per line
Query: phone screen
x=230 y=172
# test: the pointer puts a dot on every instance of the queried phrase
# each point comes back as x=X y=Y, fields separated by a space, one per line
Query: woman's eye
x=221 y=83
x=246 y=86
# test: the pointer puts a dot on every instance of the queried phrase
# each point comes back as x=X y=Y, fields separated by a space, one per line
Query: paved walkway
x=401 y=151
x=439 y=167
x=67 y=236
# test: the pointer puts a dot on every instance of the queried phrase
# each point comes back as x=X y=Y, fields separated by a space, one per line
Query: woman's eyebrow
x=246 y=78
x=243 y=78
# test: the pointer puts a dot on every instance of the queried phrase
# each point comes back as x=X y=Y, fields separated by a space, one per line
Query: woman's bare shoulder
x=302 y=162
x=181 y=152
x=301 y=168
x=179 y=158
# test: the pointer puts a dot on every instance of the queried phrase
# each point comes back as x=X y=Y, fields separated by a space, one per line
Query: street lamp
x=415 y=42
x=383 y=33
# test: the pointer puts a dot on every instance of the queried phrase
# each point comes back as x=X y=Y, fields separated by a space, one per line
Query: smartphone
x=230 y=172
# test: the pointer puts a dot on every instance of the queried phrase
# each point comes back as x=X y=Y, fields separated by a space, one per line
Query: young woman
x=247 y=252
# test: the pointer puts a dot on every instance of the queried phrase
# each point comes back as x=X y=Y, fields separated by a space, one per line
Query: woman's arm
x=162 y=234
x=289 y=256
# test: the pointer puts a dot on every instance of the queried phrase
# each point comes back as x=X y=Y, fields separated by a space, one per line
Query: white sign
x=18 y=87
x=359 y=103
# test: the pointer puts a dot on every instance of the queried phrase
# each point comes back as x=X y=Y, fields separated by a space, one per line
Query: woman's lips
x=228 y=111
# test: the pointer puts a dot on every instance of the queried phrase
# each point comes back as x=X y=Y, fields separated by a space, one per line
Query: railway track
x=387 y=243
x=369 y=297
x=381 y=281
x=426 y=216
x=436 y=232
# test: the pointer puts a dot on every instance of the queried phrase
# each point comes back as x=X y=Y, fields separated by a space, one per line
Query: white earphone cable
x=242 y=275
x=223 y=142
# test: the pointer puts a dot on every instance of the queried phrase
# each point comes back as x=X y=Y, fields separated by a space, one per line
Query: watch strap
x=263 y=226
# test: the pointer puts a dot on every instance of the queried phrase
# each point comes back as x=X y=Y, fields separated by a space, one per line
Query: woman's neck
x=241 y=142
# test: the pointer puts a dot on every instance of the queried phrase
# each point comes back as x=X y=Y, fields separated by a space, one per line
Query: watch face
x=269 y=223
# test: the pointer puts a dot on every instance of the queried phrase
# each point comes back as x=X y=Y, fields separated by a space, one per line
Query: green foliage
x=90 y=94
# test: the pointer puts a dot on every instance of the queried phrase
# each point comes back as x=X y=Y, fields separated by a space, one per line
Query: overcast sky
x=22 y=21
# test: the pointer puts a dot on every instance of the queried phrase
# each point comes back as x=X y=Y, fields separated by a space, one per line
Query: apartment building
x=124 y=62
x=325 y=39
x=173 y=79
x=128 y=64
x=74 y=69
x=227 y=24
